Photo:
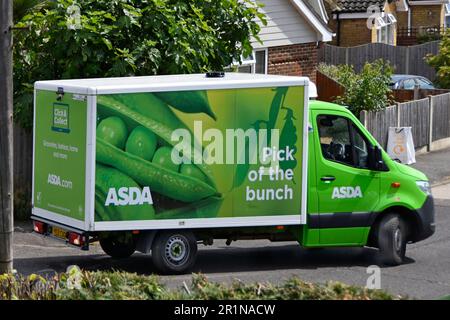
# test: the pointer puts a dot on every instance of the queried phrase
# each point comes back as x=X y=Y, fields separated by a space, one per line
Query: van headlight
x=424 y=186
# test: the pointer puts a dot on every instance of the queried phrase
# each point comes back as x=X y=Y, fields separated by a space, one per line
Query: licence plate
x=59 y=233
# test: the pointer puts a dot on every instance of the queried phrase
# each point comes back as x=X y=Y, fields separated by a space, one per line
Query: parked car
x=408 y=82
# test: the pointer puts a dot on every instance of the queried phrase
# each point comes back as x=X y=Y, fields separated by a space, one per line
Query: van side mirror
x=376 y=159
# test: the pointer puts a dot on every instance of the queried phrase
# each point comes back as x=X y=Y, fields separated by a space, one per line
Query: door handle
x=328 y=179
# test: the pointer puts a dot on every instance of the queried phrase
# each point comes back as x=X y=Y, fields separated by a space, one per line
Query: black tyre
x=391 y=236
x=118 y=247
x=174 y=252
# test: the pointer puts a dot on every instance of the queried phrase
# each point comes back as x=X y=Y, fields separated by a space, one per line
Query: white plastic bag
x=401 y=145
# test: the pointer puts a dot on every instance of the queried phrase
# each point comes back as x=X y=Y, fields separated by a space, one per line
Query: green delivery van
x=161 y=164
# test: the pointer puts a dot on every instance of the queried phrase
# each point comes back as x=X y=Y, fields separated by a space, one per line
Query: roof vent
x=215 y=74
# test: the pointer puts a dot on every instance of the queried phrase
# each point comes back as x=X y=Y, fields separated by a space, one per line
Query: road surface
x=425 y=275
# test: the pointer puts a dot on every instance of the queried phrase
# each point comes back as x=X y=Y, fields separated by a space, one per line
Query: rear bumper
x=425 y=221
x=49 y=225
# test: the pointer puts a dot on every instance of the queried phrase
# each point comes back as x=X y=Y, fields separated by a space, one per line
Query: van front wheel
x=392 y=239
x=174 y=252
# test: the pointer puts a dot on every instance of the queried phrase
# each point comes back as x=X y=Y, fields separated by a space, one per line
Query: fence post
x=430 y=126
x=407 y=60
x=346 y=55
x=363 y=118
x=416 y=92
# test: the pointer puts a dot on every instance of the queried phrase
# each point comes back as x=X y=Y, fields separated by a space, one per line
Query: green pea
x=163 y=157
x=193 y=171
x=164 y=181
x=142 y=143
x=114 y=131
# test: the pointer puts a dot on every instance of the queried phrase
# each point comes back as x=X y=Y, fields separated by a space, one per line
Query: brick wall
x=354 y=32
x=426 y=15
x=402 y=19
x=294 y=60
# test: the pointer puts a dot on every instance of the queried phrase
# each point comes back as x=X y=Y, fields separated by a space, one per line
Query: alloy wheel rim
x=176 y=250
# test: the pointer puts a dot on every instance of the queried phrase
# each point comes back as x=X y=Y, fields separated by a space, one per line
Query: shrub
x=368 y=90
x=85 y=285
x=33 y=287
x=441 y=62
x=102 y=38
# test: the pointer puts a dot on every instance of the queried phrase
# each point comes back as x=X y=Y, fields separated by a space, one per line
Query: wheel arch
x=409 y=216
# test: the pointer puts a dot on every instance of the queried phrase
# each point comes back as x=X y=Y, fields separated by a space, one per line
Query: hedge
x=99 y=285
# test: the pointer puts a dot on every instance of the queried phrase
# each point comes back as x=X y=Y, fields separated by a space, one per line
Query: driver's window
x=342 y=142
x=335 y=140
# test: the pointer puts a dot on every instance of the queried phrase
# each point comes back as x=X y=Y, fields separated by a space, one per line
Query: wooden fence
x=23 y=159
x=410 y=36
x=402 y=95
x=429 y=119
x=328 y=89
x=378 y=123
x=405 y=60
x=441 y=117
x=416 y=114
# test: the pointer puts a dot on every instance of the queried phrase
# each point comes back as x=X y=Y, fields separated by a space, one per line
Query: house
x=357 y=22
x=426 y=14
x=290 y=40
x=425 y=20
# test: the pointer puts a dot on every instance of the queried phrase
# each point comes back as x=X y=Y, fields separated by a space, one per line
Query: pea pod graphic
x=108 y=106
x=164 y=181
x=151 y=106
x=248 y=153
x=107 y=178
x=288 y=138
x=188 y=102
x=276 y=105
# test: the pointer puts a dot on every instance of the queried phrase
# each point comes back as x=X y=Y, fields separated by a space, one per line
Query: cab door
x=347 y=190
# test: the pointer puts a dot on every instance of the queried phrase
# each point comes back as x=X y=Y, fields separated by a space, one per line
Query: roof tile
x=357 y=5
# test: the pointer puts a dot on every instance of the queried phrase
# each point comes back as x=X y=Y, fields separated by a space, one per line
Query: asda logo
x=347 y=193
x=132 y=196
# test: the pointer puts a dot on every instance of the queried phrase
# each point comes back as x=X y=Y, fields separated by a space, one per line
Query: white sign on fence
x=401 y=145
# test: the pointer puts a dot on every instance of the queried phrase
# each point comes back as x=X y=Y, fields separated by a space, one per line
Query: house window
x=261 y=61
x=255 y=63
x=386 y=26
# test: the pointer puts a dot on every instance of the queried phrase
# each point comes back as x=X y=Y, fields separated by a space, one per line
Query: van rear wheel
x=174 y=252
x=392 y=233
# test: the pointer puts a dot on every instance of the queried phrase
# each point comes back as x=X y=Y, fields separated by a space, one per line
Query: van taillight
x=39 y=227
x=76 y=239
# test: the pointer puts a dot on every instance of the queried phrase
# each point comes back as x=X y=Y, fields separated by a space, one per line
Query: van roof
x=181 y=82
x=322 y=105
